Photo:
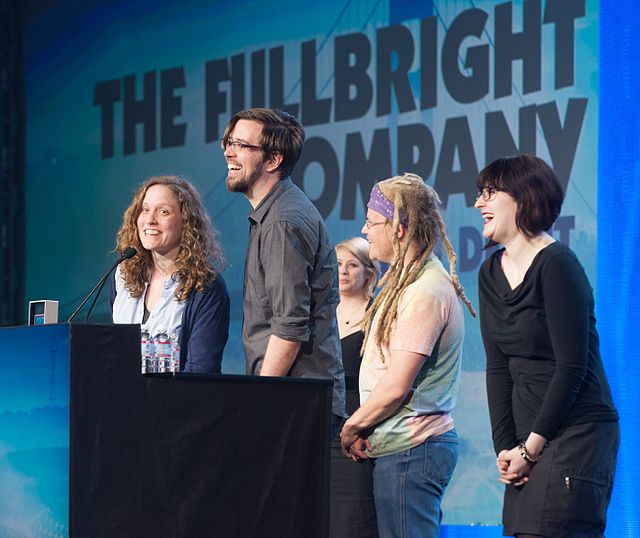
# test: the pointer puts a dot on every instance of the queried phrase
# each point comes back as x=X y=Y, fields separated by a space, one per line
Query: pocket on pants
x=582 y=497
x=441 y=456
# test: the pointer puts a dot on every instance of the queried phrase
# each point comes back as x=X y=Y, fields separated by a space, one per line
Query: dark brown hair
x=281 y=133
x=534 y=186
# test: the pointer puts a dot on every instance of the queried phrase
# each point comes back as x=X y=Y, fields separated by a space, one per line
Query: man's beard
x=244 y=184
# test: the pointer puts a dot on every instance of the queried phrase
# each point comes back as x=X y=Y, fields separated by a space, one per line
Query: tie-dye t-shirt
x=430 y=322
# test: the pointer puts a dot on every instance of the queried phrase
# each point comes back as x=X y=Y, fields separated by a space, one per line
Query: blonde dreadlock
x=419 y=204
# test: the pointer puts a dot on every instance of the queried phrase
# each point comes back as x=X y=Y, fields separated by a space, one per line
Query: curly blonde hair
x=199 y=258
x=419 y=204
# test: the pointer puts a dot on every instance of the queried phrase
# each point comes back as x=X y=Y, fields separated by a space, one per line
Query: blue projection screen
x=119 y=91
x=617 y=302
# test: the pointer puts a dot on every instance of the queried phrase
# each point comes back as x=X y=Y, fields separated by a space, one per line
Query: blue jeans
x=408 y=487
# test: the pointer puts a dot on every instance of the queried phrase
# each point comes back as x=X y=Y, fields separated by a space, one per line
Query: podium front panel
x=194 y=455
x=34 y=430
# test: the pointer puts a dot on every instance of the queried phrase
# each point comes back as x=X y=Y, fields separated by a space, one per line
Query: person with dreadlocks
x=411 y=360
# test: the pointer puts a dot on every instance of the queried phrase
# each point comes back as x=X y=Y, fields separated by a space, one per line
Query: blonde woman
x=411 y=361
x=173 y=283
x=353 y=512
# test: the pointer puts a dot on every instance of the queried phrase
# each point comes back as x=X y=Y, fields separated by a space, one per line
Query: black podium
x=184 y=455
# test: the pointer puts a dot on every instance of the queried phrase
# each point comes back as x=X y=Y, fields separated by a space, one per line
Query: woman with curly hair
x=411 y=361
x=173 y=283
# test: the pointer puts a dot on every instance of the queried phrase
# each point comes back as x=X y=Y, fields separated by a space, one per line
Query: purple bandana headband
x=381 y=204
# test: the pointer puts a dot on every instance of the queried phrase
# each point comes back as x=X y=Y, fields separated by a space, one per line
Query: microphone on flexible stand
x=126 y=254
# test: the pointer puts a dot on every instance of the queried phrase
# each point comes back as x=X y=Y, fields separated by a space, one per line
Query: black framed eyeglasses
x=487 y=193
x=237 y=146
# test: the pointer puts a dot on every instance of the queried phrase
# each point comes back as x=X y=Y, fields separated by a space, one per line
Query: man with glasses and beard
x=290 y=277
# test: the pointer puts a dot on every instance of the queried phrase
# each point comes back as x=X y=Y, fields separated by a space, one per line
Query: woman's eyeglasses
x=487 y=193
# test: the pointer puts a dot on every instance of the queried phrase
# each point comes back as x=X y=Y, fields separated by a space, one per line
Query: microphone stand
x=126 y=254
x=95 y=299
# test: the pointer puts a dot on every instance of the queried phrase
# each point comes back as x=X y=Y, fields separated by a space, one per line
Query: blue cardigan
x=205 y=326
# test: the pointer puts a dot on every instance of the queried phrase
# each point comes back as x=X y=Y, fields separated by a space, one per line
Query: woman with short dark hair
x=555 y=428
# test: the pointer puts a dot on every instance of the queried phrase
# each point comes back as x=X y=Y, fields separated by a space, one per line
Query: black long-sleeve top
x=544 y=371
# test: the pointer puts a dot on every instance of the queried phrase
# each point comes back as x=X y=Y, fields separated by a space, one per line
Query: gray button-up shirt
x=291 y=287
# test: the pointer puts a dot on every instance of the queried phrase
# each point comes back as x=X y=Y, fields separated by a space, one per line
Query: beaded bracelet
x=528 y=457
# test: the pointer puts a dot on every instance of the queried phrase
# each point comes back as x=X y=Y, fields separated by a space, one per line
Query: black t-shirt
x=544 y=371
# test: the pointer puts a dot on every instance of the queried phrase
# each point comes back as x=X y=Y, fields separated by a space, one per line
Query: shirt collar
x=260 y=212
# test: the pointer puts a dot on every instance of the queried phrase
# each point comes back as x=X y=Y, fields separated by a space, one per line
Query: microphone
x=126 y=254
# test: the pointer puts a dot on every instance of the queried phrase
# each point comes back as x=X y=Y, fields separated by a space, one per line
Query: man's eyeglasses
x=487 y=193
x=370 y=224
x=236 y=146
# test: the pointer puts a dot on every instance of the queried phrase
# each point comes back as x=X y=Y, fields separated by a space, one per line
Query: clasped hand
x=353 y=443
x=513 y=468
